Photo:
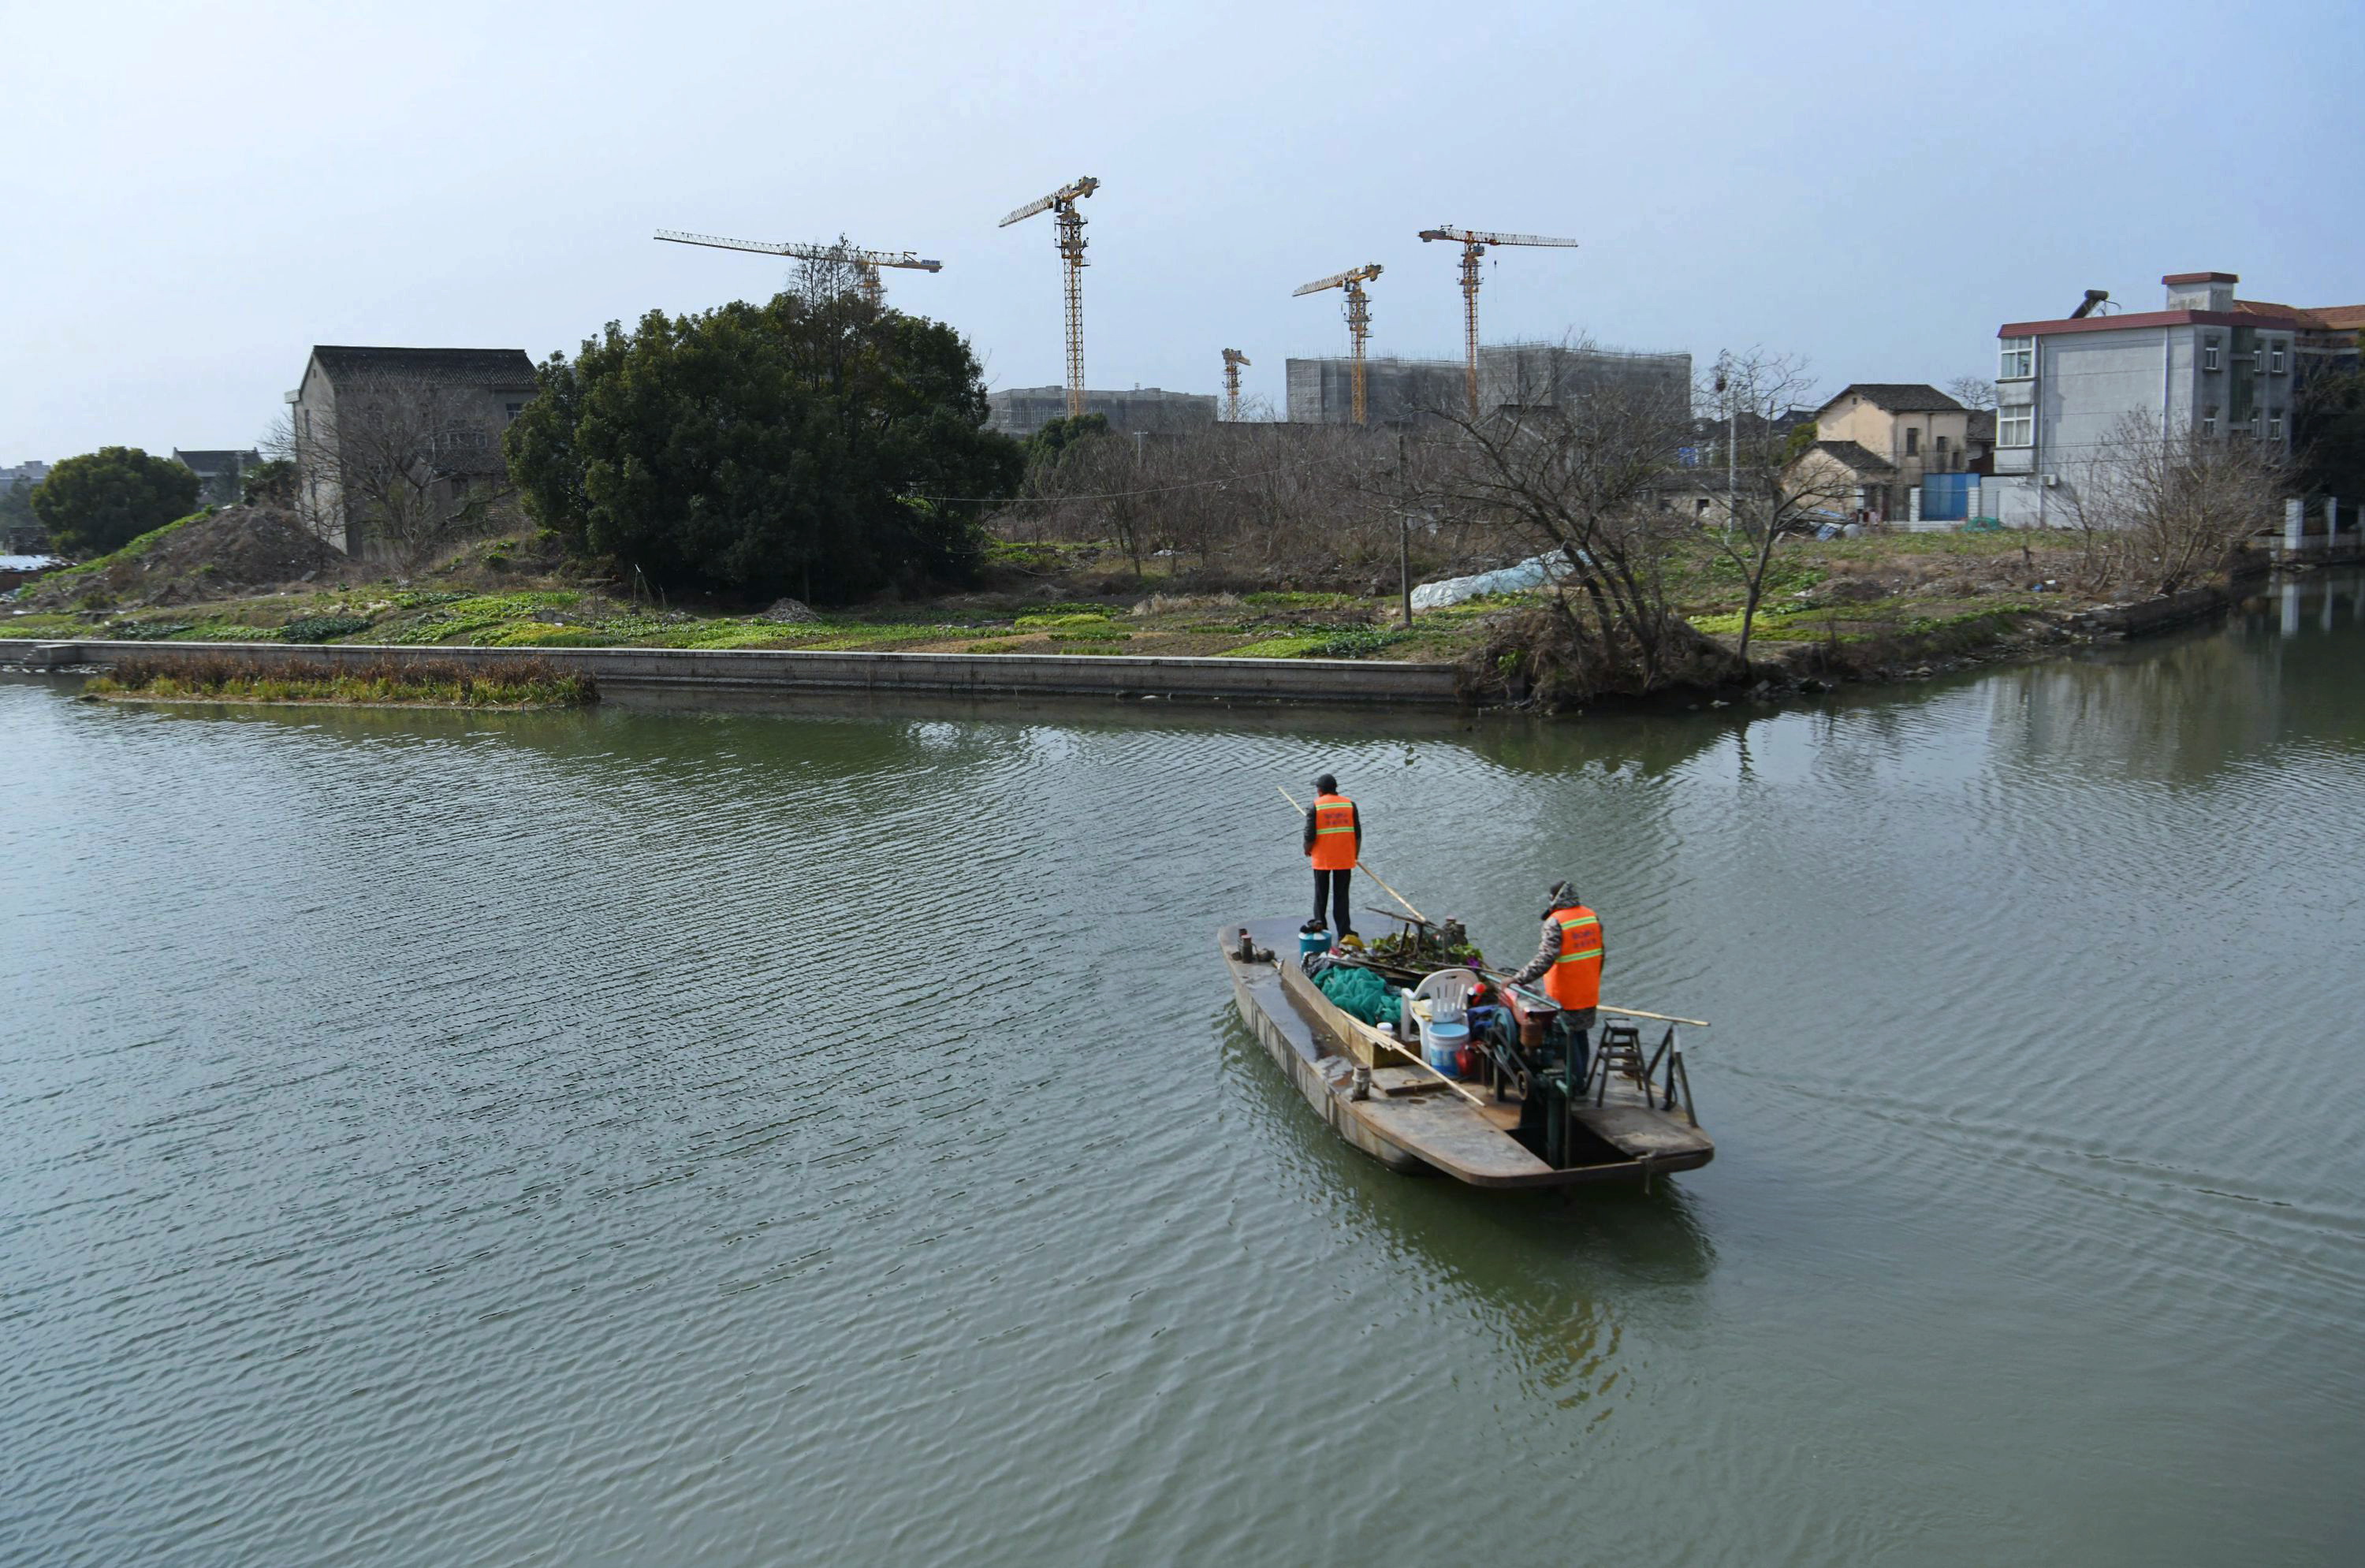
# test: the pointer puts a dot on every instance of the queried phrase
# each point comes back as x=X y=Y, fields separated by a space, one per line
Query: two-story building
x=366 y=420
x=221 y=475
x=2207 y=364
x=1888 y=438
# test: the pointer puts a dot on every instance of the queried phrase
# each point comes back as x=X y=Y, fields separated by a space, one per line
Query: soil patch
x=238 y=550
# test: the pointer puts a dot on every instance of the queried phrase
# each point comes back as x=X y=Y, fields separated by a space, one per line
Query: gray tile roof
x=1857 y=457
x=216 y=461
x=474 y=367
x=1901 y=397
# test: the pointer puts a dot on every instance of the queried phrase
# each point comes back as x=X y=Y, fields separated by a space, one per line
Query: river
x=648 y=1135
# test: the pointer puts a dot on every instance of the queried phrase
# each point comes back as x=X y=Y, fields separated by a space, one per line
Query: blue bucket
x=1313 y=942
x=1441 y=1045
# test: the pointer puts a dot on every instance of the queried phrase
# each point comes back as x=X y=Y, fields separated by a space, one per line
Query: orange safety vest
x=1575 y=978
x=1334 y=832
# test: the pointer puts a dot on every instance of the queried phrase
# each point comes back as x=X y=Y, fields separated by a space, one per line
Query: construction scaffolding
x=1527 y=374
x=1022 y=410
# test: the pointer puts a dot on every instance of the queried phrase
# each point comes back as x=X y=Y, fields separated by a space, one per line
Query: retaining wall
x=790 y=670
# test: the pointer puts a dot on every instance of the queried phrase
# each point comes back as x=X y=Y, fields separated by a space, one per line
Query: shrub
x=322 y=628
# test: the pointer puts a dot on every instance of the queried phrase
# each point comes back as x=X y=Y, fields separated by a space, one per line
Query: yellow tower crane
x=1358 y=316
x=1473 y=245
x=1070 y=240
x=1233 y=360
x=866 y=264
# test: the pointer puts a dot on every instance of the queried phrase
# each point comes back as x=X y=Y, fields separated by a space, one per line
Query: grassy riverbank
x=1892 y=589
x=226 y=678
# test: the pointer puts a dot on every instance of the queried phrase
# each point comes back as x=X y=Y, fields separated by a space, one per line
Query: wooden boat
x=1622 y=1125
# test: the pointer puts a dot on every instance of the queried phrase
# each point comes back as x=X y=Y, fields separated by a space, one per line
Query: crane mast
x=1233 y=360
x=1358 y=318
x=1069 y=233
x=1473 y=244
x=866 y=264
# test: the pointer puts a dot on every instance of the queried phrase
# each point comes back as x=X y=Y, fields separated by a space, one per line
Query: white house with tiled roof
x=2206 y=364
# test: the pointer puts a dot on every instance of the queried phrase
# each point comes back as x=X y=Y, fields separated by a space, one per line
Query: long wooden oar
x=1360 y=865
x=1502 y=978
x=1371 y=1033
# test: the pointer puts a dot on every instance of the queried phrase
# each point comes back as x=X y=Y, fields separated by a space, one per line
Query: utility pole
x=1404 y=529
x=1732 y=438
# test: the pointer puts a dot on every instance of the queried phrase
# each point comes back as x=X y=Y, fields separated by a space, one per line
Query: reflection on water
x=744 y=1135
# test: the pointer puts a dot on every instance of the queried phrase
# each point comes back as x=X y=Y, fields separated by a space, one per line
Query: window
x=2275 y=425
x=1699 y=507
x=514 y=410
x=2254 y=423
x=2209 y=420
x=2275 y=358
x=2209 y=354
x=2016 y=427
x=2019 y=360
x=1913 y=440
x=2258 y=358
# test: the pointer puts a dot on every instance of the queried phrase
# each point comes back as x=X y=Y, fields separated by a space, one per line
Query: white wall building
x=2206 y=365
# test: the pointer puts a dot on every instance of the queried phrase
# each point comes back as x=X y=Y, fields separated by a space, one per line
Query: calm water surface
x=645 y=1136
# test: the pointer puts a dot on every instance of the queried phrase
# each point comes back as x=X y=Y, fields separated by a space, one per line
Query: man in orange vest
x=1569 y=962
x=1334 y=841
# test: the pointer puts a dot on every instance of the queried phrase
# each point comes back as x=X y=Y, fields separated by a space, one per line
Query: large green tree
x=105 y=500
x=818 y=445
x=2329 y=435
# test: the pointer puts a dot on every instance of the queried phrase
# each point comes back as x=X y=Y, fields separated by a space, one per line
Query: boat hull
x=1412 y=1122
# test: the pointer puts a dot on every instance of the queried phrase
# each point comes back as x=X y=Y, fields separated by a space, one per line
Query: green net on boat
x=1362 y=992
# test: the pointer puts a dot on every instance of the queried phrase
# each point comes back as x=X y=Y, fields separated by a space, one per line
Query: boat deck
x=1412 y=1119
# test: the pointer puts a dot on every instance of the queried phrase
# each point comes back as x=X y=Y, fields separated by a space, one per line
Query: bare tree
x=2160 y=513
x=1972 y=391
x=1577 y=457
x=1780 y=484
x=1272 y=501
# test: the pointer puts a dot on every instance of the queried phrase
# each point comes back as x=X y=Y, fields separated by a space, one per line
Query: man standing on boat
x=1569 y=962
x=1334 y=841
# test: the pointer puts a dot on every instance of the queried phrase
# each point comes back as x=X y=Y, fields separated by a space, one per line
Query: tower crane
x=1070 y=235
x=1233 y=360
x=1358 y=316
x=1473 y=244
x=866 y=264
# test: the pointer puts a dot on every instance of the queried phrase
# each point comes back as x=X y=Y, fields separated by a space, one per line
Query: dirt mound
x=238 y=550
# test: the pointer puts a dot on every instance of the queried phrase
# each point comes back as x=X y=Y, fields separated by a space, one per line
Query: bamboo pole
x=1372 y=1032
x=1502 y=978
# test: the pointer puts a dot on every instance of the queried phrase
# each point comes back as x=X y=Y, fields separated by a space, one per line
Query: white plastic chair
x=1448 y=994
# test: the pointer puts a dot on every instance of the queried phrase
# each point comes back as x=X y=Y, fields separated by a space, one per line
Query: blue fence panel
x=1946 y=497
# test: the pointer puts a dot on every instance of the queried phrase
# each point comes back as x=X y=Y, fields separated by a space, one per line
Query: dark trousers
x=1331 y=887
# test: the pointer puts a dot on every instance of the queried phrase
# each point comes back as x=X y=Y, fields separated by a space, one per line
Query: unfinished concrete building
x=1022 y=410
x=1413 y=391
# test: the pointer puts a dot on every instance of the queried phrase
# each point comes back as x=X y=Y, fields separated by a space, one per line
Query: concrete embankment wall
x=791 y=671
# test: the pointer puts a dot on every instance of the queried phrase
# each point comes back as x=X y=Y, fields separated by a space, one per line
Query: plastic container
x=1312 y=942
x=1442 y=1044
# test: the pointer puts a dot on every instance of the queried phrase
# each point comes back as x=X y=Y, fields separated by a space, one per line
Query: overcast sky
x=199 y=193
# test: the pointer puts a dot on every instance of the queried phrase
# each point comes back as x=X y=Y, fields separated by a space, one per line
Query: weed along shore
x=245 y=676
x=568 y=677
